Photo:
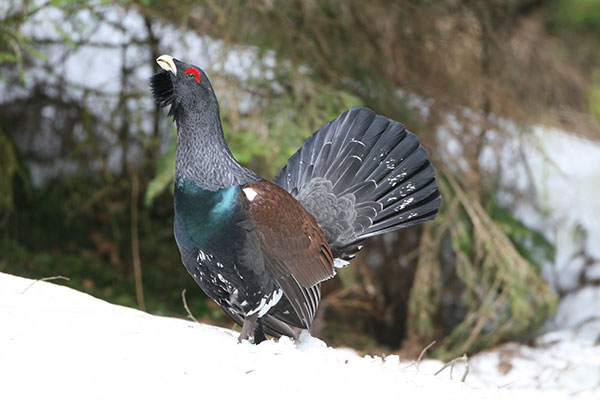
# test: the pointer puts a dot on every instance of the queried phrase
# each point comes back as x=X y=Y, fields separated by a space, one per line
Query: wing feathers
x=294 y=248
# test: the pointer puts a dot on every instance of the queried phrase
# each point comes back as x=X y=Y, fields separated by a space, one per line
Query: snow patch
x=559 y=361
x=71 y=343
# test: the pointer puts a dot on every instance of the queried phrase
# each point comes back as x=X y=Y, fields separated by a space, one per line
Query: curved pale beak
x=166 y=62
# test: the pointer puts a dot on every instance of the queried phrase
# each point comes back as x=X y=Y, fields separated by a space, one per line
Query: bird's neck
x=203 y=156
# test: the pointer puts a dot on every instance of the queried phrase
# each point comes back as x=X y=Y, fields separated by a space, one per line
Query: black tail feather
x=362 y=175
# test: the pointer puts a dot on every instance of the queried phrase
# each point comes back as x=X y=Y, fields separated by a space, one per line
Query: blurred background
x=505 y=95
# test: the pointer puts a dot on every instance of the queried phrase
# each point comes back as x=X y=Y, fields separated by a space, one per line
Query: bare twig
x=423 y=353
x=135 y=241
x=451 y=364
x=186 y=307
x=48 y=278
x=466 y=363
x=418 y=362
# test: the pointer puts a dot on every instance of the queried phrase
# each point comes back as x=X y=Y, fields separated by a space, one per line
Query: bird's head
x=184 y=87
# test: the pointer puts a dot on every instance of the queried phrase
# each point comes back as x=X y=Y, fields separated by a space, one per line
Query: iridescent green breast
x=203 y=214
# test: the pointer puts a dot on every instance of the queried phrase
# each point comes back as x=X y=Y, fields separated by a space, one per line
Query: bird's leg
x=252 y=327
x=259 y=333
x=249 y=327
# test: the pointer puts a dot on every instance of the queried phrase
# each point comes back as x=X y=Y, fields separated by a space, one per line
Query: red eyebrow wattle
x=195 y=72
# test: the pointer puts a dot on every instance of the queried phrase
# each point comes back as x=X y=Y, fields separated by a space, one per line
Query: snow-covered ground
x=58 y=343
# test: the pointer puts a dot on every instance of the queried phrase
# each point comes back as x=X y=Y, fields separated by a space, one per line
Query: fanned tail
x=362 y=175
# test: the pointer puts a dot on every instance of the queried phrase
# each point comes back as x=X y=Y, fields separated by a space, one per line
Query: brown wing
x=291 y=241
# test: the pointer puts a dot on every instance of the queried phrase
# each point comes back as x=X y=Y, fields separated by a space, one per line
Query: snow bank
x=565 y=172
x=56 y=342
x=549 y=180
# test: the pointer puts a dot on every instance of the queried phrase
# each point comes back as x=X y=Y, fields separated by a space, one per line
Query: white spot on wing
x=202 y=256
x=250 y=193
x=339 y=263
x=266 y=303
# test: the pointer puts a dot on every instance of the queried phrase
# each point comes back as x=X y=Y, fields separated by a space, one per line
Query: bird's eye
x=193 y=73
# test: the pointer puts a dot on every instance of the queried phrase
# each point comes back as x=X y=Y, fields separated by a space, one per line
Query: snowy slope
x=56 y=342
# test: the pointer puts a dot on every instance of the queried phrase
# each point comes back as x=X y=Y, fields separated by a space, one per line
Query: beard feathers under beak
x=161 y=85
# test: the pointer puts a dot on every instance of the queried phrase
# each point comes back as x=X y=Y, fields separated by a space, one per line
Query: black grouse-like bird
x=261 y=249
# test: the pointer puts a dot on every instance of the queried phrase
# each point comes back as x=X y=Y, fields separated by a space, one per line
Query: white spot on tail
x=250 y=193
x=404 y=204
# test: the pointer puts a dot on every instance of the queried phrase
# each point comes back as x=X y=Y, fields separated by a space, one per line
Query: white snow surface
x=56 y=342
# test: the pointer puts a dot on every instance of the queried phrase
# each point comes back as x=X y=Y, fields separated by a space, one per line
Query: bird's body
x=229 y=261
x=261 y=249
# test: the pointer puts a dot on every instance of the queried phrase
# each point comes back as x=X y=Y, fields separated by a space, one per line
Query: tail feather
x=389 y=193
x=387 y=158
x=416 y=212
x=360 y=189
x=369 y=209
x=321 y=168
x=362 y=175
x=388 y=140
x=346 y=173
x=343 y=132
